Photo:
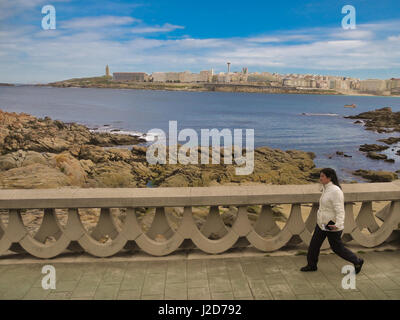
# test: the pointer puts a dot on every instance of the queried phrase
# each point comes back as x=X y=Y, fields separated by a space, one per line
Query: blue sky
x=176 y=35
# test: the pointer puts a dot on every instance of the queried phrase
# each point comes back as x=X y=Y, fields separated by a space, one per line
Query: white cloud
x=394 y=38
x=31 y=56
x=11 y=8
x=156 y=29
x=97 y=22
x=353 y=34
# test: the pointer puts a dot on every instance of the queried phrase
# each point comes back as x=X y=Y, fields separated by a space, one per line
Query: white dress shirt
x=331 y=207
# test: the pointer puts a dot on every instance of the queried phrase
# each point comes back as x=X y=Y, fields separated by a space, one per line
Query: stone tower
x=107 y=71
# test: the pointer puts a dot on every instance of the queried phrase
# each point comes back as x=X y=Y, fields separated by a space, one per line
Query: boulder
x=21 y=131
x=21 y=158
x=390 y=140
x=71 y=167
x=376 y=176
x=382 y=120
x=116 y=174
x=376 y=156
x=34 y=176
x=372 y=147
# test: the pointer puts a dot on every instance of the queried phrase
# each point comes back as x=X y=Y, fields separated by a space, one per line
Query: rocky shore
x=46 y=153
x=382 y=120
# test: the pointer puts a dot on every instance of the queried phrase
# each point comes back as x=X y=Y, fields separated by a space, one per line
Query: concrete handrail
x=265 y=235
x=175 y=197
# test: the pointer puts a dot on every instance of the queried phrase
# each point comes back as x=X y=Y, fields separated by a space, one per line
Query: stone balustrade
x=213 y=237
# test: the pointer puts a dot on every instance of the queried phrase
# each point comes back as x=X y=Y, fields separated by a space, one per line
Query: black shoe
x=308 y=268
x=358 y=266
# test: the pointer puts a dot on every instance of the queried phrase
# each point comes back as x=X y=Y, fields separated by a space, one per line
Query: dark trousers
x=335 y=242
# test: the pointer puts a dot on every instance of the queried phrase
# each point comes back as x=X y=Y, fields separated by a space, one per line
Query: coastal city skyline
x=158 y=36
x=273 y=80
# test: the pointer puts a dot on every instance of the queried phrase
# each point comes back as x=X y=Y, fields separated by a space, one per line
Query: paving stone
x=301 y=287
x=66 y=285
x=247 y=298
x=222 y=296
x=59 y=296
x=308 y=297
x=241 y=278
x=251 y=270
x=240 y=288
x=215 y=268
x=198 y=283
x=69 y=274
x=330 y=294
x=393 y=294
x=394 y=276
x=194 y=267
x=259 y=289
x=370 y=290
x=132 y=282
x=86 y=288
x=114 y=275
x=81 y=298
x=176 y=291
x=154 y=284
x=176 y=277
x=128 y=295
x=106 y=291
x=36 y=294
x=199 y=294
x=153 y=297
x=219 y=283
x=383 y=282
x=157 y=267
x=354 y=295
x=322 y=286
x=275 y=278
x=268 y=266
x=14 y=292
x=281 y=292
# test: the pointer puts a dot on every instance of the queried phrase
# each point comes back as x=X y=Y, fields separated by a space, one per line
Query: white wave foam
x=320 y=114
x=112 y=130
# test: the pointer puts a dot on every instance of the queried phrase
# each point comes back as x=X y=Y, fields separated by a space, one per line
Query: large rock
x=21 y=159
x=63 y=169
x=376 y=156
x=376 y=176
x=271 y=166
x=380 y=120
x=71 y=167
x=99 y=154
x=372 y=147
x=21 y=131
x=390 y=140
x=113 y=175
x=34 y=176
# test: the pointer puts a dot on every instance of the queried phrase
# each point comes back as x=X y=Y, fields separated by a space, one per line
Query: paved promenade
x=223 y=277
